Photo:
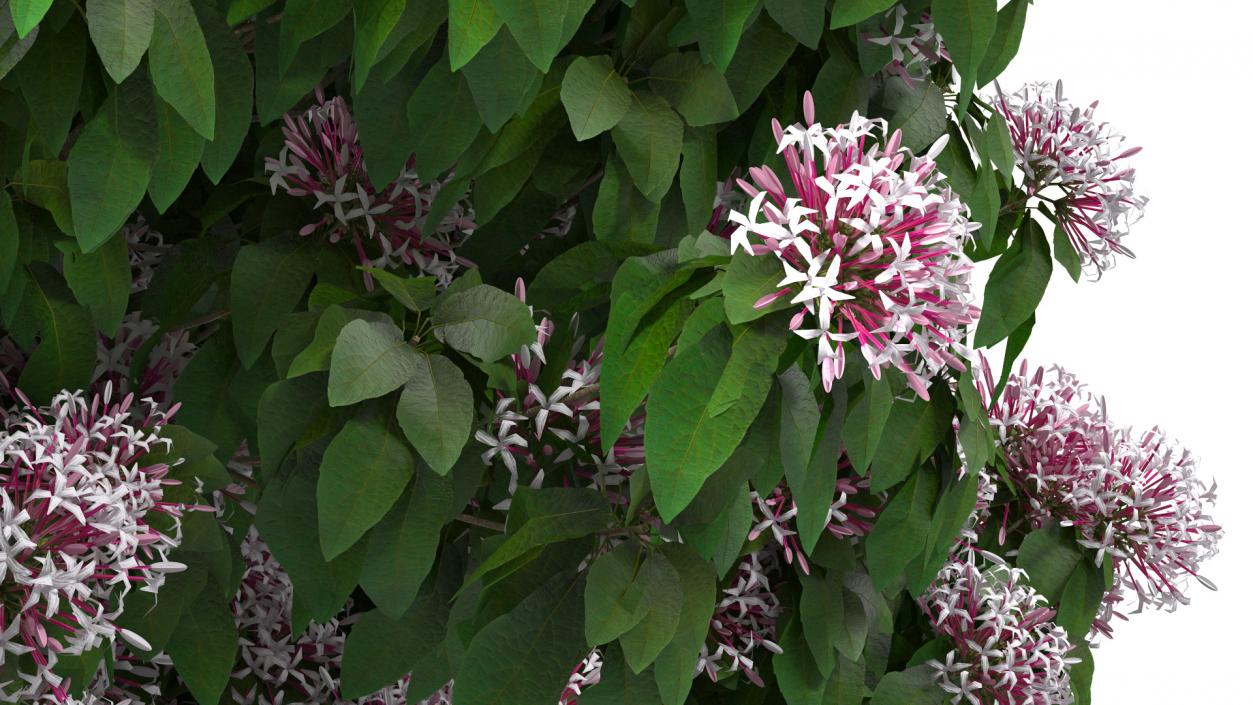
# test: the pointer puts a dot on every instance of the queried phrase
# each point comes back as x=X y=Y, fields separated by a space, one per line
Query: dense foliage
x=640 y=365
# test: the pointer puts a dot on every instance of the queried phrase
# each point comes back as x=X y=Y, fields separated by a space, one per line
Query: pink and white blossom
x=916 y=46
x=870 y=246
x=745 y=619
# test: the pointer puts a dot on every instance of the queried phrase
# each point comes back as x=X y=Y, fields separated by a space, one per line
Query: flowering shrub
x=391 y=352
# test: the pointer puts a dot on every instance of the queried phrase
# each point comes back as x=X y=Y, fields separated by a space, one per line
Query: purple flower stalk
x=744 y=619
x=322 y=158
x=1005 y=648
x=83 y=521
x=1077 y=164
x=870 y=247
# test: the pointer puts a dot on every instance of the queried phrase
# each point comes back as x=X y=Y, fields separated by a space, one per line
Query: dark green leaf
x=232 y=92
x=121 y=31
x=649 y=140
x=316 y=357
x=662 y=591
x=65 y=357
x=813 y=487
x=1016 y=285
x=1081 y=599
x=867 y=417
x=694 y=88
x=627 y=375
x=1004 y=45
x=484 y=322
x=613 y=600
x=44 y=183
x=621 y=212
x=363 y=472
x=443 y=120
x=951 y=514
x=850 y=12
x=51 y=78
x=718 y=25
x=915 y=686
x=203 y=646
x=402 y=546
x=436 y=411
x=800 y=18
x=471 y=25
x=179 y=150
x=373 y=21
x=502 y=81
x=1050 y=556
x=414 y=293
x=917 y=110
x=594 y=95
x=698 y=176
x=760 y=57
x=279 y=89
x=839 y=88
x=10 y=241
x=101 y=281
x=284 y=414
x=621 y=685
x=913 y=430
x=381 y=649
x=370 y=360
x=542 y=27
x=677 y=661
x=1065 y=254
x=267 y=281
x=302 y=21
x=901 y=530
x=182 y=70
x=749 y=279
x=967 y=27
x=722 y=539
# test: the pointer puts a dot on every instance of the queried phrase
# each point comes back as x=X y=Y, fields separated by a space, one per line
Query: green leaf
x=839 y=88
x=621 y=685
x=761 y=55
x=1013 y=348
x=302 y=21
x=801 y=18
x=204 y=645
x=66 y=355
x=718 y=25
x=627 y=375
x=917 y=110
x=814 y=488
x=849 y=12
x=182 y=70
x=613 y=601
x=525 y=656
x=179 y=150
x=701 y=406
x=555 y=514
x=985 y=204
x=111 y=162
x=363 y=472
x=998 y=145
x=414 y=293
x=101 y=281
x=156 y=619
x=381 y=649
x=278 y=89
x=621 y=212
x=694 y=88
x=121 y=31
x=914 y=686
x=542 y=27
x=12 y=46
x=1050 y=556
x=951 y=514
x=27 y=14
x=1081 y=674
x=901 y=530
x=232 y=93
x=51 y=78
x=373 y=21
x=369 y=360
x=913 y=430
x=267 y=281
x=1004 y=45
x=867 y=417
x=443 y=119
x=502 y=80
x=403 y=545
x=748 y=279
x=799 y=679
x=1015 y=286
x=317 y=356
x=662 y=591
x=698 y=176
x=10 y=241
x=1065 y=254
x=594 y=95
x=471 y=25
x=44 y=183
x=287 y=518
x=649 y=139
x=484 y=322
x=206 y=409
x=381 y=110
x=677 y=661
x=967 y=27
x=285 y=412
x=436 y=411
x=240 y=10
x=1081 y=599
x=722 y=539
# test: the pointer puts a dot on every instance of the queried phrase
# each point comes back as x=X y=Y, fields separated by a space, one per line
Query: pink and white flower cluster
x=745 y=618
x=1005 y=648
x=916 y=47
x=322 y=158
x=1134 y=497
x=1079 y=165
x=848 y=516
x=83 y=522
x=869 y=242
x=541 y=431
x=166 y=360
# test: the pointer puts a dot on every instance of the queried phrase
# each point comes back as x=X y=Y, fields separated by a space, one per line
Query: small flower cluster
x=870 y=248
x=322 y=158
x=915 y=47
x=584 y=675
x=83 y=521
x=1077 y=163
x=776 y=512
x=1006 y=650
x=1134 y=497
x=745 y=618
x=166 y=359
x=146 y=249
x=559 y=429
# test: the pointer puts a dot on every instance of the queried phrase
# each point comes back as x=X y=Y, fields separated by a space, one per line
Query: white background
x=1165 y=337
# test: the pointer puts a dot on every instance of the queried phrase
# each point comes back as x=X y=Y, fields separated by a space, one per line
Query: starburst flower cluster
x=870 y=246
x=278 y=664
x=83 y=522
x=1078 y=164
x=745 y=618
x=849 y=515
x=1006 y=650
x=916 y=47
x=1134 y=497
x=322 y=158
x=539 y=433
x=166 y=360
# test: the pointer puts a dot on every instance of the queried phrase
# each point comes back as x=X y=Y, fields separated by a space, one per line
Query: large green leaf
x=51 y=78
x=121 y=31
x=718 y=26
x=814 y=488
x=676 y=662
x=182 y=70
x=802 y=19
x=443 y=119
x=901 y=530
x=594 y=95
x=967 y=27
x=267 y=281
x=662 y=592
x=316 y=357
x=748 y=279
x=761 y=55
x=101 y=281
x=381 y=649
x=483 y=321
x=363 y=472
x=951 y=514
x=502 y=80
x=917 y=110
x=111 y=162
x=525 y=655
x=913 y=430
x=701 y=406
x=1081 y=599
x=649 y=140
x=1050 y=555
x=436 y=411
x=542 y=27
x=552 y=514
x=373 y=21
x=27 y=14
x=1015 y=286
x=1004 y=45
x=694 y=88
x=304 y=20
x=621 y=685
x=285 y=412
x=698 y=176
x=203 y=646
x=179 y=150
x=627 y=375
x=232 y=93
x=915 y=686
x=867 y=417
x=613 y=600
x=471 y=25
x=621 y=212
x=10 y=240
x=850 y=12
x=66 y=355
